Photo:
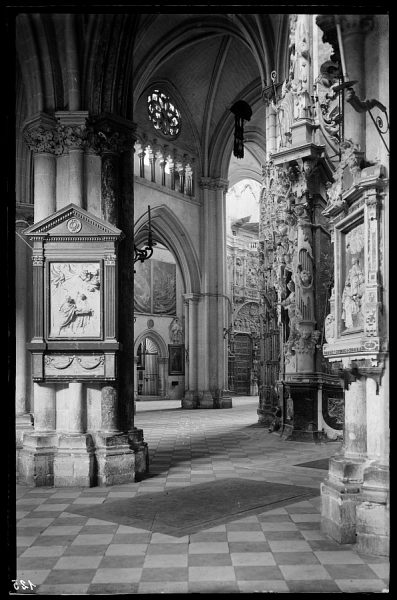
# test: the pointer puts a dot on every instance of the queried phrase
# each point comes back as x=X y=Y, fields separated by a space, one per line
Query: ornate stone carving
x=42 y=139
x=329 y=113
x=346 y=175
x=72 y=137
x=109 y=188
x=247 y=319
x=330 y=328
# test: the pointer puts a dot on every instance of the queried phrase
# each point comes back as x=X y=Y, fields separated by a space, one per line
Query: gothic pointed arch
x=169 y=231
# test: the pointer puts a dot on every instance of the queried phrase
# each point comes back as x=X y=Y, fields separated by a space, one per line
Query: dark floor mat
x=322 y=463
x=186 y=510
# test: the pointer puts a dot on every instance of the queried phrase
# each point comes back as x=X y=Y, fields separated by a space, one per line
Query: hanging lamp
x=242 y=112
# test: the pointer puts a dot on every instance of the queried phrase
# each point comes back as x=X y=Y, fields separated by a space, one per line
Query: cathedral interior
x=212 y=416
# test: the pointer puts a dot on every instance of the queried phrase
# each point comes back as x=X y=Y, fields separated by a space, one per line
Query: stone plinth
x=373 y=528
x=36 y=459
x=338 y=517
x=225 y=401
x=190 y=400
x=120 y=458
x=205 y=400
x=373 y=514
x=74 y=463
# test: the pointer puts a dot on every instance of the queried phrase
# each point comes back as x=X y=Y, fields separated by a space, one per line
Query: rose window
x=164 y=115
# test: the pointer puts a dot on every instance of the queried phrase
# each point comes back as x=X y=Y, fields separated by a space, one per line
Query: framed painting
x=176 y=359
x=75 y=300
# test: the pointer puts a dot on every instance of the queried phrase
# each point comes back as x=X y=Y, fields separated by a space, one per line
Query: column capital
x=41 y=134
x=109 y=134
x=24 y=215
x=356 y=24
x=72 y=129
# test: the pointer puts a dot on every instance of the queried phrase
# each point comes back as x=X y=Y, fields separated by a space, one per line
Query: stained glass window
x=163 y=113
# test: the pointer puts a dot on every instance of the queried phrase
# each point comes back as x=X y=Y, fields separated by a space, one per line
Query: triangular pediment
x=73 y=221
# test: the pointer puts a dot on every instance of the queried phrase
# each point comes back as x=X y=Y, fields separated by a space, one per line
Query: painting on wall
x=176 y=360
x=143 y=287
x=164 y=288
x=155 y=287
x=75 y=300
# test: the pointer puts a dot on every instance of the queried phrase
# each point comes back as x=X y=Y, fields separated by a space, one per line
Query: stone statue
x=176 y=331
x=352 y=295
x=293 y=314
x=329 y=328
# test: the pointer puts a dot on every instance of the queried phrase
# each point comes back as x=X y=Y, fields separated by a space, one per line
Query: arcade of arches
x=285 y=297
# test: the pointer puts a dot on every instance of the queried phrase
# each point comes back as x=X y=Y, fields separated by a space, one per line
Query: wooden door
x=242 y=364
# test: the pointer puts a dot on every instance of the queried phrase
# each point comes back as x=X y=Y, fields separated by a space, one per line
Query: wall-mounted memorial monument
x=75 y=297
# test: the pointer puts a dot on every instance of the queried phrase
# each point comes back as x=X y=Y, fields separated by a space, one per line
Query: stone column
x=191 y=398
x=121 y=453
x=224 y=399
x=74 y=461
x=73 y=464
x=24 y=421
x=207 y=341
x=340 y=492
x=163 y=377
x=36 y=458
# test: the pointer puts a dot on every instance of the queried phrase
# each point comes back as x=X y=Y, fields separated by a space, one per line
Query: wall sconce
x=143 y=254
x=241 y=111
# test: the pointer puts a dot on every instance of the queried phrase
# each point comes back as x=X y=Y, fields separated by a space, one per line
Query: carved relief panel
x=353 y=329
x=75 y=297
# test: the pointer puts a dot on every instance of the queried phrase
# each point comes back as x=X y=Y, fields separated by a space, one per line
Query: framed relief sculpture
x=75 y=303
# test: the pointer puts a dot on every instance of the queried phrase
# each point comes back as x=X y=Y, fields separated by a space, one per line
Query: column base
x=290 y=433
x=190 y=400
x=205 y=400
x=338 y=511
x=74 y=463
x=141 y=453
x=225 y=401
x=36 y=459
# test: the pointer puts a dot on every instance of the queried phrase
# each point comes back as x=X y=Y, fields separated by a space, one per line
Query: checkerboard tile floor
x=279 y=550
